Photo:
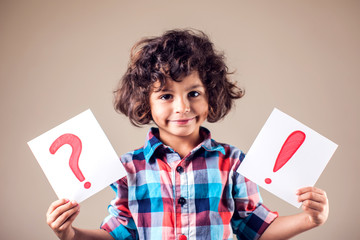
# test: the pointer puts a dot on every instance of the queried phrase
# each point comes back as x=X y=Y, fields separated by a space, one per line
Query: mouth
x=182 y=121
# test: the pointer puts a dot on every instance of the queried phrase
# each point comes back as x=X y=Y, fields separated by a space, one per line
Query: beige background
x=58 y=58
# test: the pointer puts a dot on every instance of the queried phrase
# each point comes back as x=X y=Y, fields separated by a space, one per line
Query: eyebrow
x=195 y=86
x=164 y=89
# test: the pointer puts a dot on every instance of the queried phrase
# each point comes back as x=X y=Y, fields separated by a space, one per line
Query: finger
x=317 y=212
x=55 y=205
x=310 y=189
x=313 y=207
x=313 y=196
x=63 y=214
x=59 y=214
x=58 y=207
x=68 y=222
x=62 y=223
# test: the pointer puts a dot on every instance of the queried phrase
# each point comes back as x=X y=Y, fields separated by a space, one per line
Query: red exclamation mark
x=288 y=149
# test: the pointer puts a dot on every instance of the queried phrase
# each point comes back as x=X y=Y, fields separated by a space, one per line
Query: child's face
x=180 y=107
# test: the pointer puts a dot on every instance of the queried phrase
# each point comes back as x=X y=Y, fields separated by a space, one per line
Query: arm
x=251 y=218
x=92 y=234
x=316 y=211
x=60 y=216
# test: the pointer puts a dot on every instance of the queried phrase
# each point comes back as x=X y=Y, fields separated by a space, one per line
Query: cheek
x=206 y=111
x=202 y=108
x=158 y=112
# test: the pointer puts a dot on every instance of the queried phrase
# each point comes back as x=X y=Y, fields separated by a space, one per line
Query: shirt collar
x=152 y=143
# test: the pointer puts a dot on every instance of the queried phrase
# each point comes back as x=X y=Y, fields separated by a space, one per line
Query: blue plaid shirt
x=198 y=197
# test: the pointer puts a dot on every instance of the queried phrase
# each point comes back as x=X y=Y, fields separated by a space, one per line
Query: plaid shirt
x=198 y=197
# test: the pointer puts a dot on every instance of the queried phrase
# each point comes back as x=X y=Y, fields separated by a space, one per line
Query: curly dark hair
x=174 y=55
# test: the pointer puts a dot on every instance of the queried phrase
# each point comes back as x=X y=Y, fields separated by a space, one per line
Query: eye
x=193 y=94
x=166 y=97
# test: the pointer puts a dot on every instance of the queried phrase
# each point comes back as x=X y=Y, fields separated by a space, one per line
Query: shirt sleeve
x=251 y=217
x=119 y=223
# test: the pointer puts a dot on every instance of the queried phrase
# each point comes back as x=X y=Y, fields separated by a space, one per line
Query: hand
x=60 y=216
x=315 y=204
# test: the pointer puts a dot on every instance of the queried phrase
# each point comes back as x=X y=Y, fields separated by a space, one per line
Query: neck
x=182 y=145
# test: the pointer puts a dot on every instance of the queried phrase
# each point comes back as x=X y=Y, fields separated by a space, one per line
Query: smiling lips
x=182 y=121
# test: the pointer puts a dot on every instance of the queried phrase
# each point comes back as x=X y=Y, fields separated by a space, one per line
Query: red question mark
x=75 y=143
x=288 y=149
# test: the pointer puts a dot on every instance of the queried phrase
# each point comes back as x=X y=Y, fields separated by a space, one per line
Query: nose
x=181 y=105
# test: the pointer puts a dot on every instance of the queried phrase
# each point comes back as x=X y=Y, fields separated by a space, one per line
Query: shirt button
x=180 y=169
x=182 y=201
x=182 y=237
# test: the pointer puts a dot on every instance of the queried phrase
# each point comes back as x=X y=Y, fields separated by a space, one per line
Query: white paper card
x=77 y=158
x=285 y=156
